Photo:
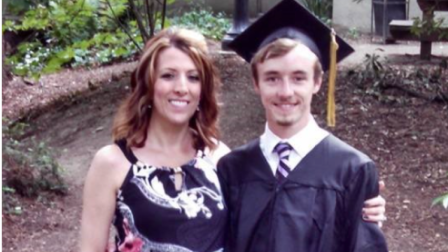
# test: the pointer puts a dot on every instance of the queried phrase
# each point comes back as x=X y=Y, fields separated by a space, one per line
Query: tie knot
x=283 y=150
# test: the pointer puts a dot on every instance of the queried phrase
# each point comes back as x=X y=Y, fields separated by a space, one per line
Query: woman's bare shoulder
x=109 y=158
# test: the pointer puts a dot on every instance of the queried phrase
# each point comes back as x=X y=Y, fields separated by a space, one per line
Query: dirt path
x=412 y=169
x=75 y=133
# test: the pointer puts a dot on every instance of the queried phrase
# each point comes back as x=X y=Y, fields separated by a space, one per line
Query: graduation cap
x=289 y=19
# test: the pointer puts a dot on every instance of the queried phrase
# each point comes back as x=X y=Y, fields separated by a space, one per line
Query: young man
x=298 y=187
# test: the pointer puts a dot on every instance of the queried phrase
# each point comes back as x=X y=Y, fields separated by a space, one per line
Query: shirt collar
x=302 y=142
x=269 y=139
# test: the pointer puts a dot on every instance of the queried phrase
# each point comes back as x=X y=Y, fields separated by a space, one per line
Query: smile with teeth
x=179 y=103
x=285 y=105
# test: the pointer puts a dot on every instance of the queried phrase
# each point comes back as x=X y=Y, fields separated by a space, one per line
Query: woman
x=158 y=182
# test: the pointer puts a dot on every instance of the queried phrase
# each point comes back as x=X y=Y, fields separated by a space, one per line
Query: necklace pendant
x=178 y=178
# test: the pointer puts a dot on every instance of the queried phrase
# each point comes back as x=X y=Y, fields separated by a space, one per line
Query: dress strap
x=126 y=151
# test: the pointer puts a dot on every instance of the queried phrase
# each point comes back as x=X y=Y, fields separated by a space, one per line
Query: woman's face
x=177 y=88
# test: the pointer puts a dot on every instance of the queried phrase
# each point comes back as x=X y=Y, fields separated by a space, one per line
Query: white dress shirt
x=302 y=143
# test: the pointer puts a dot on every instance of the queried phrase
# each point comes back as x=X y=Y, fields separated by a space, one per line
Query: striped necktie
x=283 y=150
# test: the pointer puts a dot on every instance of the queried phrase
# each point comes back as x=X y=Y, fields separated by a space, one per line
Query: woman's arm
x=99 y=199
x=374 y=209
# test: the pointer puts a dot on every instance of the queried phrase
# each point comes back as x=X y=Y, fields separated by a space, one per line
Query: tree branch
x=163 y=14
x=152 y=15
x=140 y=25
x=122 y=26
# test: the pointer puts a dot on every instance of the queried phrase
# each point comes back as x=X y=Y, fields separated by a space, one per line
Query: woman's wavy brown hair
x=132 y=119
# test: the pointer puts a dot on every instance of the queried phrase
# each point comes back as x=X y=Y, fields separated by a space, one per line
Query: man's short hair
x=279 y=48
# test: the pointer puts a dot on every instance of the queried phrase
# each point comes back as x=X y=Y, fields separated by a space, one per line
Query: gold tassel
x=331 y=104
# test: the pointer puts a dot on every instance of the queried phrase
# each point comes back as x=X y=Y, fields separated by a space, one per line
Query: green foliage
x=321 y=8
x=442 y=200
x=427 y=27
x=108 y=10
x=19 y=7
x=33 y=59
x=29 y=60
x=29 y=168
x=72 y=33
x=371 y=70
x=61 y=38
x=353 y=33
x=10 y=203
x=61 y=23
x=211 y=25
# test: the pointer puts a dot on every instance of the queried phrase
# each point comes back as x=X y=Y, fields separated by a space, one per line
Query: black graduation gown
x=317 y=208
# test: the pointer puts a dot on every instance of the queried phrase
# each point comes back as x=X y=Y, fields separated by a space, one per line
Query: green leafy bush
x=70 y=34
x=353 y=33
x=30 y=59
x=29 y=167
x=427 y=27
x=74 y=33
x=33 y=59
x=61 y=23
x=211 y=25
x=10 y=203
x=19 y=7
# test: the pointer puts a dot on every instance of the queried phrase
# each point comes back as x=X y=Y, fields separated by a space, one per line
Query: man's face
x=286 y=86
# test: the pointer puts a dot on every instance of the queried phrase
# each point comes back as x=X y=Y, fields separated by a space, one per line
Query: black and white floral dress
x=151 y=215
